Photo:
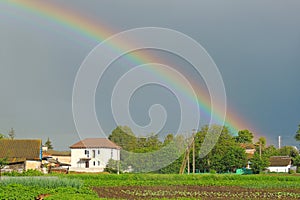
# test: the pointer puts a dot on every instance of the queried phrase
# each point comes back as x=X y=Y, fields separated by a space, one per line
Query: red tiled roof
x=95 y=143
x=20 y=150
x=280 y=161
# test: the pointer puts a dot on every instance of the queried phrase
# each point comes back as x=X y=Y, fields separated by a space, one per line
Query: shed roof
x=280 y=161
x=95 y=143
x=51 y=152
x=20 y=150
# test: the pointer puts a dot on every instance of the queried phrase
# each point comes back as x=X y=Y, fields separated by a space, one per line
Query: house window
x=98 y=163
x=94 y=163
x=98 y=152
x=93 y=153
x=86 y=152
x=111 y=153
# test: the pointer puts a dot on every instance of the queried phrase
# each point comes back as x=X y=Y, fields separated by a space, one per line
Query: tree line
x=227 y=155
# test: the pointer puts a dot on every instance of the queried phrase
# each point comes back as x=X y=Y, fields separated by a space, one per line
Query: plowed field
x=194 y=192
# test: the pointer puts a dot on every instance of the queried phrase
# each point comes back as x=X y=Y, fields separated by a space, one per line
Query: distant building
x=63 y=157
x=93 y=154
x=21 y=154
x=249 y=150
x=56 y=159
x=280 y=164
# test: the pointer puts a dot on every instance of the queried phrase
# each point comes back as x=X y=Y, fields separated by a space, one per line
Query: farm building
x=21 y=154
x=280 y=164
x=93 y=154
x=62 y=157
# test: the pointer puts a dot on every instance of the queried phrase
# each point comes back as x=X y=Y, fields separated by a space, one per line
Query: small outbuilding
x=280 y=164
x=21 y=154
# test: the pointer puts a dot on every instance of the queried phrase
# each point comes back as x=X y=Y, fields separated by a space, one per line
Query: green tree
x=297 y=136
x=270 y=151
x=259 y=163
x=235 y=158
x=112 y=166
x=48 y=144
x=226 y=155
x=260 y=145
x=244 y=136
x=169 y=138
x=296 y=161
x=124 y=137
x=3 y=163
x=171 y=150
x=2 y=136
x=11 y=133
x=288 y=151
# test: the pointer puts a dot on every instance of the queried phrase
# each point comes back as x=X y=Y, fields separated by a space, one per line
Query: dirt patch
x=200 y=192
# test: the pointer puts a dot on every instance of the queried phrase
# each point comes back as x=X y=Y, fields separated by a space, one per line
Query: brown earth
x=194 y=192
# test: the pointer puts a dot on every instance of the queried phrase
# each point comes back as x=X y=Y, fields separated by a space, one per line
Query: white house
x=280 y=164
x=93 y=154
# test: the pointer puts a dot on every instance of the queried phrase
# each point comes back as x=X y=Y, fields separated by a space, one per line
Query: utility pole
x=194 y=162
x=188 y=160
x=193 y=155
x=279 y=142
x=260 y=148
x=118 y=162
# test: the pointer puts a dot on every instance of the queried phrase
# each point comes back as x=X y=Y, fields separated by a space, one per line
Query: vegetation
x=3 y=163
x=2 y=136
x=45 y=182
x=297 y=136
x=85 y=186
x=259 y=163
x=48 y=144
x=227 y=155
x=29 y=172
x=244 y=136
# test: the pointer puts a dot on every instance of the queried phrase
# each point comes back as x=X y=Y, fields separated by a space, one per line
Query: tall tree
x=124 y=137
x=244 y=136
x=259 y=163
x=297 y=136
x=270 y=151
x=48 y=144
x=11 y=133
x=226 y=155
x=296 y=161
x=288 y=151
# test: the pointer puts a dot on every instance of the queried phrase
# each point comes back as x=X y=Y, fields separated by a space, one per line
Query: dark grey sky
x=255 y=44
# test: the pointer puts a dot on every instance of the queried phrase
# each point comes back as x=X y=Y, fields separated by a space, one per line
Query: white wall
x=97 y=163
x=279 y=169
x=32 y=164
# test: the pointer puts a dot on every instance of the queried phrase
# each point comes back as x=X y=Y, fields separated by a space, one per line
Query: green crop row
x=79 y=186
x=45 y=182
x=250 y=181
x=21 y=192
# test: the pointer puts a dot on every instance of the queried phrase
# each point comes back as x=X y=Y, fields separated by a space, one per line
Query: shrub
x=29 y=172
x=292 y=171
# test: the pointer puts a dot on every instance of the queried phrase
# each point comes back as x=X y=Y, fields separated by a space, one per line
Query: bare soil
x=194 y=192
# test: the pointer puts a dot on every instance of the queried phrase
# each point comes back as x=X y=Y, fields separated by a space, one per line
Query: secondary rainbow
x=97 y=32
